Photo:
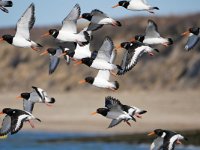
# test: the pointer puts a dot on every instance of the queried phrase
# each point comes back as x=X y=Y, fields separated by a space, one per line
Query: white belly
x=138 y=6
x=21 y=42
x=101 y=83
x=102 y=65
x=70 y=37
x=155 y=41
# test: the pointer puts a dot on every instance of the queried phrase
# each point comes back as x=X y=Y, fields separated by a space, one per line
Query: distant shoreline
x=139 y=138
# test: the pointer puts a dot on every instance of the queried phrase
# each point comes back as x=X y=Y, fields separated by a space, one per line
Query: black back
x=87 y=61
x=89 y=80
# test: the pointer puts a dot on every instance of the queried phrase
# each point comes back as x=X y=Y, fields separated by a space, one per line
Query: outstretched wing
x=69 y=24
x=113 y=103
x=130 y=59
x=151 y=30
x=99 y=13
x=192 y=41
x=114 y=122
x=106 y=49
x=17 y=123
x=54 y=61
x=94 y=26
x=26 y=22
x=6 y=125
x=157 y=144
x=28 y=105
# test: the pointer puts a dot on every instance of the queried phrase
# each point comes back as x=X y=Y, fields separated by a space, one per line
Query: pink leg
x=32 y=125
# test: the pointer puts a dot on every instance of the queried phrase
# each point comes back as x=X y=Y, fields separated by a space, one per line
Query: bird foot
x=49 y=105
x=178 y=142
x=32 y=125
x=128 y=123
x=34 y=48
x=114 y=74
x=151 y=54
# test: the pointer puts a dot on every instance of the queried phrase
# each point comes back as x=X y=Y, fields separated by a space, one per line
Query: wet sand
x=178 y=110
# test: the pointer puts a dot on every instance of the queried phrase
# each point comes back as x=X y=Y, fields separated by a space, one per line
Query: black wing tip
x=142 y=112
x=156 y=8
x=8 y=4
x=116 y=85
x=52 y=100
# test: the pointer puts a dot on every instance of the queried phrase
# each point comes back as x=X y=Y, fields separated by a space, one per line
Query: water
x=29 y=141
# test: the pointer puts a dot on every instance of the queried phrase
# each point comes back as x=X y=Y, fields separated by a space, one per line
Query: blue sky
x=50 y=12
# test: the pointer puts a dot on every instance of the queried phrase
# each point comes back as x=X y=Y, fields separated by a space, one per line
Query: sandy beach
x=71 y=113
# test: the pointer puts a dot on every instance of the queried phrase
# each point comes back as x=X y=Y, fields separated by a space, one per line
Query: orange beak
x=63 y=54
x=46 y=34
x=19 y=97
x=1 y=113
x=78 y=63
x=151 y=133
x=115 y=6
x=94 y=113
x=1 y=39
x=44 y=53
x=185 y=33
x=82 y=81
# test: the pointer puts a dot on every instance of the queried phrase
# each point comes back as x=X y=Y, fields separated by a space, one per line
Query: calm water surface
x=29 y=141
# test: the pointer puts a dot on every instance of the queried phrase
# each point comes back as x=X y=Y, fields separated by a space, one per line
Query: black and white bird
x=114 y=110
x=38 y=95
x=14 y=119
x=152 y=36
x=137 y=5
x=131 y=110
x=22 y=35
x=102 y=78
x=104 y=59
x=4 y=4
x=193 y=37
x=80 y=51
x=54 y=54
x=166 y=139
x=68 y=31
x=134 y=50
x=97 y=19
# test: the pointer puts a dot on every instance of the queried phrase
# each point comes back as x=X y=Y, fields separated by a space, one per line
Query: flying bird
x=14 y=119
x=193 y=37
x=4 y=4
x=166 y=139
x=38 y=95
x=54 y=54
x=131 y=110
x=102 y=78
x=80 y=51
x=24 y=25
x=97 y=19
x=114 y=110
x=68 y=31
x=152 y=36
x=137 y=5
x=134 y=50
x=104 y=59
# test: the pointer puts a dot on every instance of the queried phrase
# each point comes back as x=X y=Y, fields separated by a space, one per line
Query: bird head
x=25 y=96
x=86 y=16
x=122 y=3
x=7 y=111
x=8 y=38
